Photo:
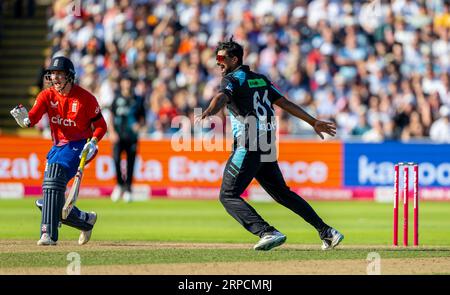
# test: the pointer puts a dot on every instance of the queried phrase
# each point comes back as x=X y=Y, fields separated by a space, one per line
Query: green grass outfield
x=362 y=223
x=366 y=226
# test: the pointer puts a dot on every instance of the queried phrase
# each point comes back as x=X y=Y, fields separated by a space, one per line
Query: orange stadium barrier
x=308 y=166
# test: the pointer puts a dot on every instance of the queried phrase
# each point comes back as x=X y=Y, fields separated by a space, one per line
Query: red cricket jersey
x=72 y=117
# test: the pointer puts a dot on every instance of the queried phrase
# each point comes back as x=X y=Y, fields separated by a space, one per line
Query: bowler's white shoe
x=85 y=236
x=332 y=239
x=127 y=197
x=270 y=240
x=116 y=193
x=46 y=240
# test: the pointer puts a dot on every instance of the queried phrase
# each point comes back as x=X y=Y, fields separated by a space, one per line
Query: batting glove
x=91 y=148
x=20 y=113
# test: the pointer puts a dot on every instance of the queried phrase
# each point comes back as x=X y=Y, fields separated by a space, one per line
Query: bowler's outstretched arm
x=319 y=126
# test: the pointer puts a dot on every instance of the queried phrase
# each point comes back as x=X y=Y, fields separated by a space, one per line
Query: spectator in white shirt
x=440 y=129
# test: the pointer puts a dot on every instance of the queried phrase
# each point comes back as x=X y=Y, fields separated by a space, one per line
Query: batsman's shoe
x=85 y=236
x=332 y=239
x=270 y=240
x=46 y=240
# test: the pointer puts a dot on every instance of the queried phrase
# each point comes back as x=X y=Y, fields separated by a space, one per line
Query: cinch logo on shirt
x=60 y=121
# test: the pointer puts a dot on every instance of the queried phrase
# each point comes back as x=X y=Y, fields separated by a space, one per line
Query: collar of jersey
x=239 y=73
x=244 y=68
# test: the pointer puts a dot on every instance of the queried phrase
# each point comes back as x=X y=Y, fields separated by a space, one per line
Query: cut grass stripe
x=155 y=256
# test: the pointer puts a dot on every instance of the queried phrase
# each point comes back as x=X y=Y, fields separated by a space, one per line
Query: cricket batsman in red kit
x=76 y=124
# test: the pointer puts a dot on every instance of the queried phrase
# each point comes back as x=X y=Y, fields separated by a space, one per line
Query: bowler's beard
x=227 y=71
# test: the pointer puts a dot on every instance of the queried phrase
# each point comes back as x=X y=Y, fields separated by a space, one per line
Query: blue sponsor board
x=373 y=164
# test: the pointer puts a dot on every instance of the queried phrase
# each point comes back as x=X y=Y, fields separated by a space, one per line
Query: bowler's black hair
x=232 y=49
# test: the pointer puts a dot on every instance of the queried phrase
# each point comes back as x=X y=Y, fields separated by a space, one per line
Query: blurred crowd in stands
x=379 y=69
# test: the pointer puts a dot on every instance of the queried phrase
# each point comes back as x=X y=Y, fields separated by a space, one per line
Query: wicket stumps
x=406 y=167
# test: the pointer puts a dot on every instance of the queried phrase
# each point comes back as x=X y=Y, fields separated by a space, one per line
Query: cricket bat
x=73 y=194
